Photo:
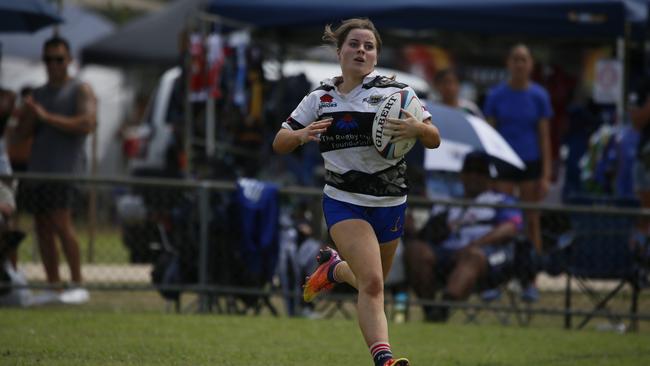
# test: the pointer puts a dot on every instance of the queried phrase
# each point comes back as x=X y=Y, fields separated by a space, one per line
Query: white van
x=154 y=134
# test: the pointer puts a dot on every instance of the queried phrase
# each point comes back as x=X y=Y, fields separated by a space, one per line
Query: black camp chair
x=601 y=251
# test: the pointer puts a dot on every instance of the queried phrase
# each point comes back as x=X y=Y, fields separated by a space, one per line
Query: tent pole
x=621 y=57
x=206 y=19
x=92 y=200
x=210 y=116
x=59 y=11
x=188 y=129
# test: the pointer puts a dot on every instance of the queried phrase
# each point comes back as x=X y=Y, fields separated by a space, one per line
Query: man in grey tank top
x=59 y=116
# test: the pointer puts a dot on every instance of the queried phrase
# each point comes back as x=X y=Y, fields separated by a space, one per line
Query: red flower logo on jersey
x=347 y=123
x=327 y=101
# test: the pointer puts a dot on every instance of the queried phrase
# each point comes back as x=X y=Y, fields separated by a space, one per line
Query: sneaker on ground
x=490 y=295
x=530 y=294
x=310 y=314
x=45 y=297
x=75 y=296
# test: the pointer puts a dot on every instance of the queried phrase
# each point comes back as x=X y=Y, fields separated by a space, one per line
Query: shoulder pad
x=384 y=82
x=325 y=87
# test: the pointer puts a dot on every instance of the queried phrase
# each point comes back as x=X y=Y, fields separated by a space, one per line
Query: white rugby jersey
x=347 y=144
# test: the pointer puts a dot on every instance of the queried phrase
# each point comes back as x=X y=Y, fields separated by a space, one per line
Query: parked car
x=155 y=132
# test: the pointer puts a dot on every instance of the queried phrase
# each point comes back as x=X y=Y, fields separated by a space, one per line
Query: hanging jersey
x=355 y=172
x=256 y=216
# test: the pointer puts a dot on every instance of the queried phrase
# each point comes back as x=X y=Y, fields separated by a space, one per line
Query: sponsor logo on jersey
x=327 y=101
x=347 y=123
x=374 y=99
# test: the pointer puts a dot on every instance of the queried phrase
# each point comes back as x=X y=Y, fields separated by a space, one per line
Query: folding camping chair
x=601 y=251
x=519 y=273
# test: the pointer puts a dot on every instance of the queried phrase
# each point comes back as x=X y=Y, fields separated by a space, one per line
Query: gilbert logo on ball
x=391 y=108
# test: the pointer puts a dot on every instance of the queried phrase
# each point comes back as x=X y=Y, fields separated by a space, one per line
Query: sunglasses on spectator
x=53 y=59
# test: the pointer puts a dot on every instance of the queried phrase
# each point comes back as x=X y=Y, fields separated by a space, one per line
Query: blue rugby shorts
x=387 y=222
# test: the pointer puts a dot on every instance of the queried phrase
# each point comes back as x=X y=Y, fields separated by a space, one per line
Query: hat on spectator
x=476 y=162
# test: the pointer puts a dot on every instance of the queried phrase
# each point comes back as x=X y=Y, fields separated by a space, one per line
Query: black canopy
x=154 y=38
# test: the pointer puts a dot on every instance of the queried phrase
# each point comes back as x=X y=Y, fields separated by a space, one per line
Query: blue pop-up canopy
x=26 y=15
x=154 y=38
x=585 y=18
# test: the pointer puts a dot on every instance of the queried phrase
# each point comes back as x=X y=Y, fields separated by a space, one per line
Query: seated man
x=464 y=247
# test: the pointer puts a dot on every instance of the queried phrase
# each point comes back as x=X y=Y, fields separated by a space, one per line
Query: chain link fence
x=178 y=237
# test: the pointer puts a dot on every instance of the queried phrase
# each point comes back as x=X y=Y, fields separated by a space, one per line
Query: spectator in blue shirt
x=520 y=110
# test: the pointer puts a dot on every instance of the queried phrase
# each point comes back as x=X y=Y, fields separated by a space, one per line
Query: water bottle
x=399 y=308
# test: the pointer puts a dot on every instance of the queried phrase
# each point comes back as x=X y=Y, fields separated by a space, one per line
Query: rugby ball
x=391 y=108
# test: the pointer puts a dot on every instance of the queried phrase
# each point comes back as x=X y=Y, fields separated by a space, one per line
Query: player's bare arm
x=288 y=140
x=499 y=235
x=409 y=127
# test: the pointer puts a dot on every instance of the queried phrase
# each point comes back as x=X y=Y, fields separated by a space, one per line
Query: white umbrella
x=462 y=133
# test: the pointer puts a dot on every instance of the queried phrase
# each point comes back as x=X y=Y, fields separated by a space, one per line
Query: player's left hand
x=404 y=128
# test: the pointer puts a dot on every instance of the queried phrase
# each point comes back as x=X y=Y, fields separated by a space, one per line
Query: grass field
x=132 y=329
x=101 y=336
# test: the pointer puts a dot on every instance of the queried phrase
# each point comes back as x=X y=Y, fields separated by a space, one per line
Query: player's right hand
x=313 y=130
